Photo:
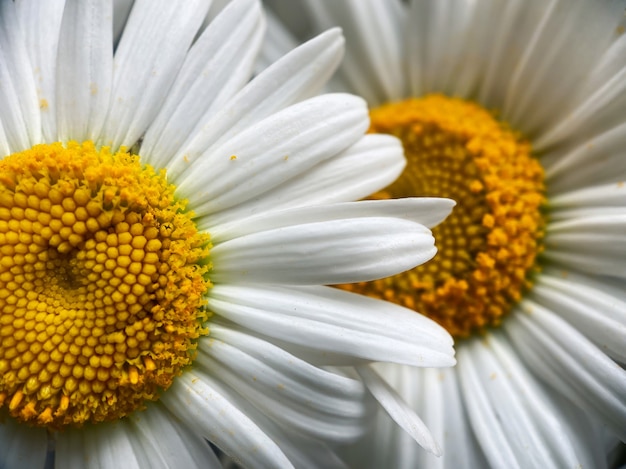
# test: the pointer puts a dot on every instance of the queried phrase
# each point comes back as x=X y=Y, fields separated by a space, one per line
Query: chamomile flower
x=515 y=109
x=166 y=227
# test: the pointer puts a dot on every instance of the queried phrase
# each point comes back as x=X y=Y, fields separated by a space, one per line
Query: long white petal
x=533 y=427
x=302 y=451
x=218 y=65
x=19 y=103
x=273 y=151
x=168 y=443
x=598 y=315
x=331 y=320
x=291 y=391
x=570 y=363
x=330 y=252
x=593 y=161
x=84 y=69
x=427 y=211
x=105 y=446
x=195 y=400
x=398 y=410
x=154 y=44
x=369 y=165
x=373 y=63
x=41 y=23
x=296 y=76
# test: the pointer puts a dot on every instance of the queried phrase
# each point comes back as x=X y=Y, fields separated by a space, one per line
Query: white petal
x=597 y=160
x=569 y=36
x=41 y=23
x=154 y=44
x=427 y=211
x=302 y=451
x=606 y=201
x=533 y=427
x=84 y=69
x=217 y=66
x=608 y=195
x=398 y=410
x=444 y=53
x=482 y=415
x=332 y=320
x=22 y=445
x=600 y=316
x=194 y=400
x=168 y=443
x=105 y=446
x=601 y=99
x=369 y=165
x=273 y=151
x=373 y=63
x=434 y=395
x=592 y=243
x=19 y=103
x=291 y=391
x=331 y=252
x=297 y=76
x=570 y=363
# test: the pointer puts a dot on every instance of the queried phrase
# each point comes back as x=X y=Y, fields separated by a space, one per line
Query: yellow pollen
x=487 y=247
x=103 y=276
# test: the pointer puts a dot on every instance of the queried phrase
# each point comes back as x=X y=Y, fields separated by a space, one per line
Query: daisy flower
x=515 y=109
x=166 y=226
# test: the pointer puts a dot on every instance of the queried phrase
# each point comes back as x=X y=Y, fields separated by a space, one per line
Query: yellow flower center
x=488 y=246
x=102 y=284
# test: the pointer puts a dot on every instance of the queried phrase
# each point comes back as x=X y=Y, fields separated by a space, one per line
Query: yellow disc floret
x=488 y=246
x=102 y=284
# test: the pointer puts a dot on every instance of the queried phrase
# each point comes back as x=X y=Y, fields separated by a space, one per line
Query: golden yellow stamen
x=488 y=246
x=102 y=284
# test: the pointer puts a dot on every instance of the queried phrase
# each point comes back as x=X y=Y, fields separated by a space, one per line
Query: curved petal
x=427 y=211
x=598 y=315
x=41 y=23
x=19 y=103
x=301 y=450
x=218 y=65
x=84 y=69
x=291 y=391
x=329 y=252
x=296 y=76
x=273 y=151
x=593 y=161
x=153 y=46
x=168 y=443
x=195 y=400
x=332 y=320
x=570 y=363
x=398 y=410
x=369 y=165
x=534 y=428
x=373 y=63
x=105 y=446
x=592 y=243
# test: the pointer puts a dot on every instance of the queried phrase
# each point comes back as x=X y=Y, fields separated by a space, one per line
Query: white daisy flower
x=515 y=109
x=184 y=276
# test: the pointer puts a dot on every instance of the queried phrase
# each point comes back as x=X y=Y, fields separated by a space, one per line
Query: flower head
x=515 y=110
